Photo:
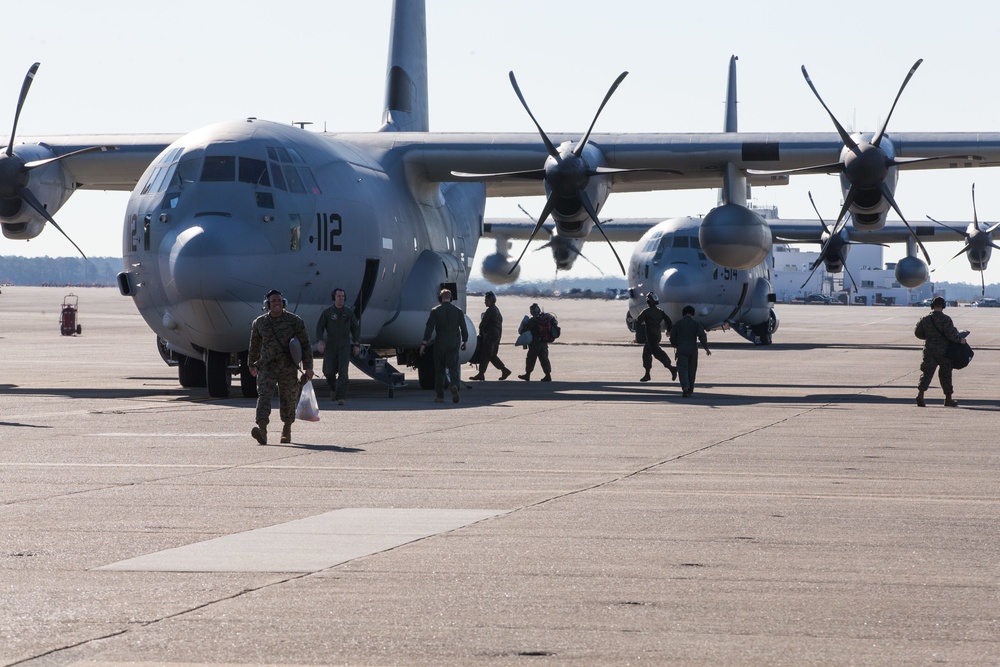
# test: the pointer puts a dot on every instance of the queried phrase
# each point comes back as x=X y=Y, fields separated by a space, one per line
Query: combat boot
x=645 y=378
x=478 y=377
x=526 y=377
x=505 y=373
x=949 y=403
x=286 y=432
x=259 y=433
x=920 y=400
x=546 y=378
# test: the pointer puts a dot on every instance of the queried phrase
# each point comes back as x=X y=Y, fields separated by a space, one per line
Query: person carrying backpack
x=937 y=330
x=544 y=329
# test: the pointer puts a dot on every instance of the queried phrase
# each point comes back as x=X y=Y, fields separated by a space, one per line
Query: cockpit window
x=293 y=180
x=187 y=170
x=277 y=176
x=254 y=171
x=219 y=168
x=161 y=175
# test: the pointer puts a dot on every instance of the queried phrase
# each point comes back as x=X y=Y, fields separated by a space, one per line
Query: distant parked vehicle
x=818 y=298
x=987 y=302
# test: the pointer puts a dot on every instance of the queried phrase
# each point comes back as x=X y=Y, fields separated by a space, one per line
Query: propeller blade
x=27 y=196
x=960 y=232
x=548 y=144
x=28 y=78
x=585 y=200
x=809 y=277
x=885 y=123
x=534 y=174
x=887 y=193
x=821 y=221
x=848 y=272
x=982 y=281
x=975 y=218
x=844 y=136
x=906 y=162
x=550 y=204
x=602 y=171
x=818 y=169
x=852 y=194
x=611 y=91
x=991 y=229
x=35 y=164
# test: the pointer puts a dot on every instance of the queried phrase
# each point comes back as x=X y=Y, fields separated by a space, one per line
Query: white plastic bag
x=308 y=408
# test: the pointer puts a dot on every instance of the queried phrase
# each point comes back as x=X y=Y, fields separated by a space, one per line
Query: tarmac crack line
x=666 y=461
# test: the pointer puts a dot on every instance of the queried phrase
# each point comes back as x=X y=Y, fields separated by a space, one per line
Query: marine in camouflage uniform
x=490 y=332
x=448 y=321
x=337 y=334
x=653 y=319
x=936 y=330
x=270 y=361
x=685 y=336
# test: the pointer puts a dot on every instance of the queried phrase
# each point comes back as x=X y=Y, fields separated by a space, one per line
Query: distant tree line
x=35 y=271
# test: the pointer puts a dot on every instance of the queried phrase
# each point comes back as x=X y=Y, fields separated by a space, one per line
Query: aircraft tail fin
x=734 y=181
x=406 y=73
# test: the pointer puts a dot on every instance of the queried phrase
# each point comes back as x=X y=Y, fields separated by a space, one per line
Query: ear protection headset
x=267 y=297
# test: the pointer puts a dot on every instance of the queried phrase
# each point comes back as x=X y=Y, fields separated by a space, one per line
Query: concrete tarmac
x=799 y=509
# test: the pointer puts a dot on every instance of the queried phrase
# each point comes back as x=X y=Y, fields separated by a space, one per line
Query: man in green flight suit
x=337 y=334
x=685 y=337
x=270 y=361
x=448 y=321
x=653 y=319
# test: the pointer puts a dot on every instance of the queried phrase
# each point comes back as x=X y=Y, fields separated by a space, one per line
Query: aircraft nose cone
x=215 y=260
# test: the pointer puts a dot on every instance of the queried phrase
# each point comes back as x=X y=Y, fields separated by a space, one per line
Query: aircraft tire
x=248 y=383
x=217 y=376
x=190 y=372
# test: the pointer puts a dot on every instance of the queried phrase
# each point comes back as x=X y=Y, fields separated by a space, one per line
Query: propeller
x=866 y=164
x=562 y=243
x=14 y=170
x=834 y=245
x=976 y=241
x=566 y=173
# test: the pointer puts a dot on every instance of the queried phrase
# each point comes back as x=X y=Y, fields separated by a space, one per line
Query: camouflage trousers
x=935 y=362
x=285 y=379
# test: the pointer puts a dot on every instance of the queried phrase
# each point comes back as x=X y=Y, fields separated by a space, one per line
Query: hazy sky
x=113 y=67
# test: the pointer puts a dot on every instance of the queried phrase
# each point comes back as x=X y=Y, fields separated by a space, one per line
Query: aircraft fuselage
x=233 y=210
x=669 y=262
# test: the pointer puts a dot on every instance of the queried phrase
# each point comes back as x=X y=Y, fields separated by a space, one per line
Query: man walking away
x=448 y=321
x=685 y=337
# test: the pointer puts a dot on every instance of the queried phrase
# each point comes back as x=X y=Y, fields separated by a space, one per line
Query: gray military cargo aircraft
x=219 y=216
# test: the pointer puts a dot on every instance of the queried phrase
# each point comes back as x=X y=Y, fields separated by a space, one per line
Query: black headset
x=267 y=297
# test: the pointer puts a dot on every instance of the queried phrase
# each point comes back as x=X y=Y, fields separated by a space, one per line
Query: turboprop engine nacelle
x=569 y=214
x=50 y=186
x=912 y=272
x=735 y=237
x=497 y=267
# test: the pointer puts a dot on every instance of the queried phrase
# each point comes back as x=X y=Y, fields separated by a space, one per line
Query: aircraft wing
x=786 y=230
x=624 y=230
x=700 y=157
x=119 y=169
x=434 y=156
